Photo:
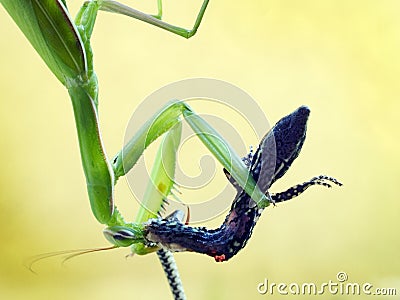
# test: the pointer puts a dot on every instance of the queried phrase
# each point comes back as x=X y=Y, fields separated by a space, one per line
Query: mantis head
x=122 y=236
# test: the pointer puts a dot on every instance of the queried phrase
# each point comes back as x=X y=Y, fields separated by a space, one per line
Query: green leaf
x=48 y=27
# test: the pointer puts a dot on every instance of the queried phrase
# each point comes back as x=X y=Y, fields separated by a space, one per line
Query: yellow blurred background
x=341 y=58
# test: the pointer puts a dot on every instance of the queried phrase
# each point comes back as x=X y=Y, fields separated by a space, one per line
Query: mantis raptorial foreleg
x=165 y=119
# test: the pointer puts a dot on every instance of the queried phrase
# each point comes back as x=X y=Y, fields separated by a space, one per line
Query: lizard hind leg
x=298 y=189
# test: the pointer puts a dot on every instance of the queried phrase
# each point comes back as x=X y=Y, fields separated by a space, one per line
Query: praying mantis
x=64 y=45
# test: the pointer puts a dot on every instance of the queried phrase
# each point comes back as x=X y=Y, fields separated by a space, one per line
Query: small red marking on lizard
x=188 y=216
x=219 y=258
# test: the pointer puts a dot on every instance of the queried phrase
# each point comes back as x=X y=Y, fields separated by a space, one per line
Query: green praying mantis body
x=65 y=47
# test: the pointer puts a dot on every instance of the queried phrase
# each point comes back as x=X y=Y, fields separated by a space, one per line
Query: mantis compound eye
x=121 y=236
